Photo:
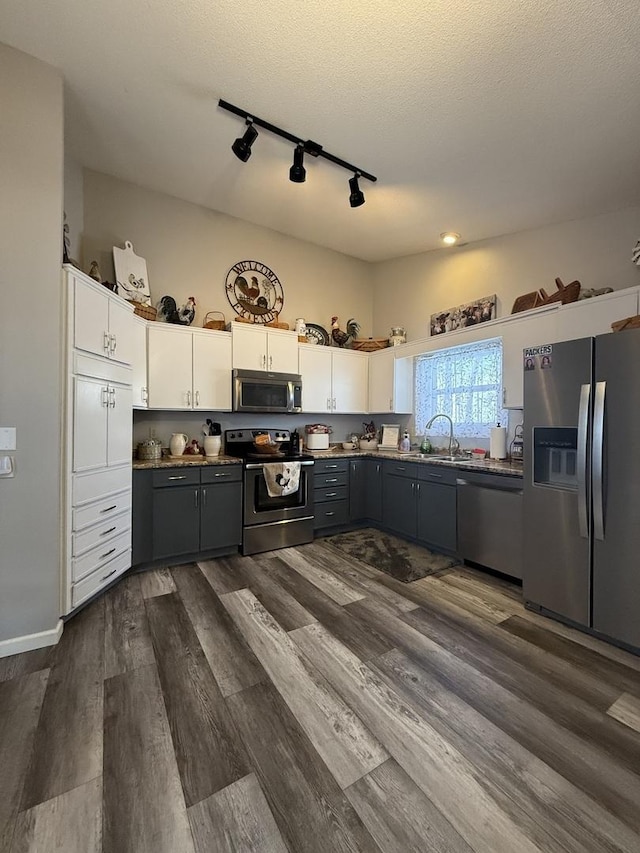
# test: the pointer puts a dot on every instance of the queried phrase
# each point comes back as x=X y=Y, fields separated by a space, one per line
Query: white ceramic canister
x=178 y=443
x=212 y=445
x=300 y=327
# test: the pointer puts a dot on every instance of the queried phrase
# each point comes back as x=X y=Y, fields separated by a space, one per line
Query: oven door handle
x=253 y=466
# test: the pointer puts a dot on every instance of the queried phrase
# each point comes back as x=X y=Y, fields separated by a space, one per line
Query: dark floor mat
x=403 y=560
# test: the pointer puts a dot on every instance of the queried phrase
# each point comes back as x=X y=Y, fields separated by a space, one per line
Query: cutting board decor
x=131 y=274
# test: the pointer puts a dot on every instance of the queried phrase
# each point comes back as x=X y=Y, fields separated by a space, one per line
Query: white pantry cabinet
x=390 y=383
x=98 y=428
x=101 y=320
x=258 y=348
x=188 y=368
x=333 y=380
x=139 y=379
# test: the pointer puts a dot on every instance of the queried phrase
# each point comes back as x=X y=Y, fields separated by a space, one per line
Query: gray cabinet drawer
x=176 y=477
x=331 y=514
x=330 y=478
x=331 y=466
x=221 y=474
x=438 y=474
x=401 y=469
x=330 y=493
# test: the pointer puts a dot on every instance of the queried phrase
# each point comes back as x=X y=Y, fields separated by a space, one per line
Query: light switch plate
x=7 y=438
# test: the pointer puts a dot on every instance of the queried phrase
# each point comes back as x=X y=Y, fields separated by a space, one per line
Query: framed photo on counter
x=390 y=436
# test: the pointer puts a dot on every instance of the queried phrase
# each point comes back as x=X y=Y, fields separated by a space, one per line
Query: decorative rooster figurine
x=342 y=338
x=182 y=316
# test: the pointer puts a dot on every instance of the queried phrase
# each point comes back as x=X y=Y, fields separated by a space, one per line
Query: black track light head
x=242 y=146
x=298 y=173
x=356 y=197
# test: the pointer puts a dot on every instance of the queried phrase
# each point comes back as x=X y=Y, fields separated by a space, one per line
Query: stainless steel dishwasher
x=490 y=528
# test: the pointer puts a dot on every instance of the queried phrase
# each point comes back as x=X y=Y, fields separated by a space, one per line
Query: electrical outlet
x=152 y=432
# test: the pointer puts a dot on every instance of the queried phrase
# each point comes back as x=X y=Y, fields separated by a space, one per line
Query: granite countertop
x=480 y=466
x=185 y=462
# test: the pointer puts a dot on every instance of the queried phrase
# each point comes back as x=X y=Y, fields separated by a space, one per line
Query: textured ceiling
x=479 y=116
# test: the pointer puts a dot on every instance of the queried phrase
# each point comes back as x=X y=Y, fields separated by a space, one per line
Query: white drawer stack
x=99 y=439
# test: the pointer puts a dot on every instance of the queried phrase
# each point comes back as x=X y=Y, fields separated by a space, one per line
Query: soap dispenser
x=405 y=443
x=426 y=447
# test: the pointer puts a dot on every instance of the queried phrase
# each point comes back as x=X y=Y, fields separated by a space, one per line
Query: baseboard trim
x=29 y=642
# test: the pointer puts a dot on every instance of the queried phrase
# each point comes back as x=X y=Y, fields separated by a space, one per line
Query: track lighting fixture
x=242 y=146
x=297 y=173
x=356 y=198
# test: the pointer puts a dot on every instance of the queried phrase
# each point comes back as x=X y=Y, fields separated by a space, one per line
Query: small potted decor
x=369 y=437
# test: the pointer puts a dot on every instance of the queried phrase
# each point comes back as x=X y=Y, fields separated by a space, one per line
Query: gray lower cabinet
x=399 y=498
x=373 y=490
x=186 y=511
x=419 y=502
x=331 y=493
x=357 y=489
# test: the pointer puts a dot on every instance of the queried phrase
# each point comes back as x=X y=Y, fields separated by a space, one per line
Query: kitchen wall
x=31 y=175
x=596 y=251
x=189 y=250
x=74 y=204
x=152 y=424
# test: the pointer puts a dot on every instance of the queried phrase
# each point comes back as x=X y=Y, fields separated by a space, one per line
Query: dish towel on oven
x=282 y=478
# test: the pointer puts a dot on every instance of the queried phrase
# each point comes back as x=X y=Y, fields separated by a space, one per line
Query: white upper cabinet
x=212 y=370
x=350 y=375
x=333 y=380
x=258 y=348
x=188 y=368
x=102 y=321
x=315 y=369
x=591 y=317
x=139 y=364
x=390 y=383
x=535 y=328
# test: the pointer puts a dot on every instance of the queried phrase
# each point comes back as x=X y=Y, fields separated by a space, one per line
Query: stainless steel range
x=272 y=521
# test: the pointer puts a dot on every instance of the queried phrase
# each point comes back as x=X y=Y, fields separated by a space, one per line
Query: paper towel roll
x=498 y=443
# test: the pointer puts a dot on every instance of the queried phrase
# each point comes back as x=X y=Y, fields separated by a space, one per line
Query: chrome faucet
x=452 y=440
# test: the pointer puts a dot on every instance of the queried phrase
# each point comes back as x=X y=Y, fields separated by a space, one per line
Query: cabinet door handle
x=102 y=556
x=106 y=532
x=390 y=404
x=222 y=475
x=436 y=476
x=109 y=508
x=331 y=494
x=400 y=468
x=114 y=343
x=328 y=404
x=377 y=468
x=331 y=466
x=333 y=404
x=418 y=488
x=189 y=399
x=329 y=513
x=106 y=342
x=112 y=395
x=145 y=395
x=331 y=480
x=195 y=498
x=175 y=477
x=204 y=498
x=264 y=361
x=108 y=575
x=413 y=486
x=197 y=398
x=105 y=396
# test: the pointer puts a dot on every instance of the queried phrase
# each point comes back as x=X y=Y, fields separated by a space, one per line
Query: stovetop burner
x=240 y=442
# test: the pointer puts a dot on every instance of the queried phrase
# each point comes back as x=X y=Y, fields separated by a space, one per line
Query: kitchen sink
x=437 y=458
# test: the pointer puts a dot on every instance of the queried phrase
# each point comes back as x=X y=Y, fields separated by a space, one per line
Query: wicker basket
x=147 y=312
x=370 y=344
x=211 y=323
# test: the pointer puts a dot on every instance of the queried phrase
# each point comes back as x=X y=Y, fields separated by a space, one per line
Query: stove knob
x=239 y=435
x=232 y=435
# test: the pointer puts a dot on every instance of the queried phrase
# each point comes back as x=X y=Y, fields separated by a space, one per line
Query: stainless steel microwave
x=261 y=391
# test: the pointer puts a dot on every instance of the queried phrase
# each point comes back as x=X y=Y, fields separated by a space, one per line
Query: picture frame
x=390 y=437
x=462 y=316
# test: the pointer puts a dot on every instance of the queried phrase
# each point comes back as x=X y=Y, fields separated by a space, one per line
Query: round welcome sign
x=254 y=291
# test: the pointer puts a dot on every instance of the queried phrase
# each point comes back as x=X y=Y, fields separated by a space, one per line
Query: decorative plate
x=254 y=292
x=317 y=335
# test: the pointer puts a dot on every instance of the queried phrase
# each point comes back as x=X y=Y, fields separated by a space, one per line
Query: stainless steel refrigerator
x=582 y=483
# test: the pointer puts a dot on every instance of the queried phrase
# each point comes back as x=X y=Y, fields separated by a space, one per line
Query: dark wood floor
x=301 y=701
